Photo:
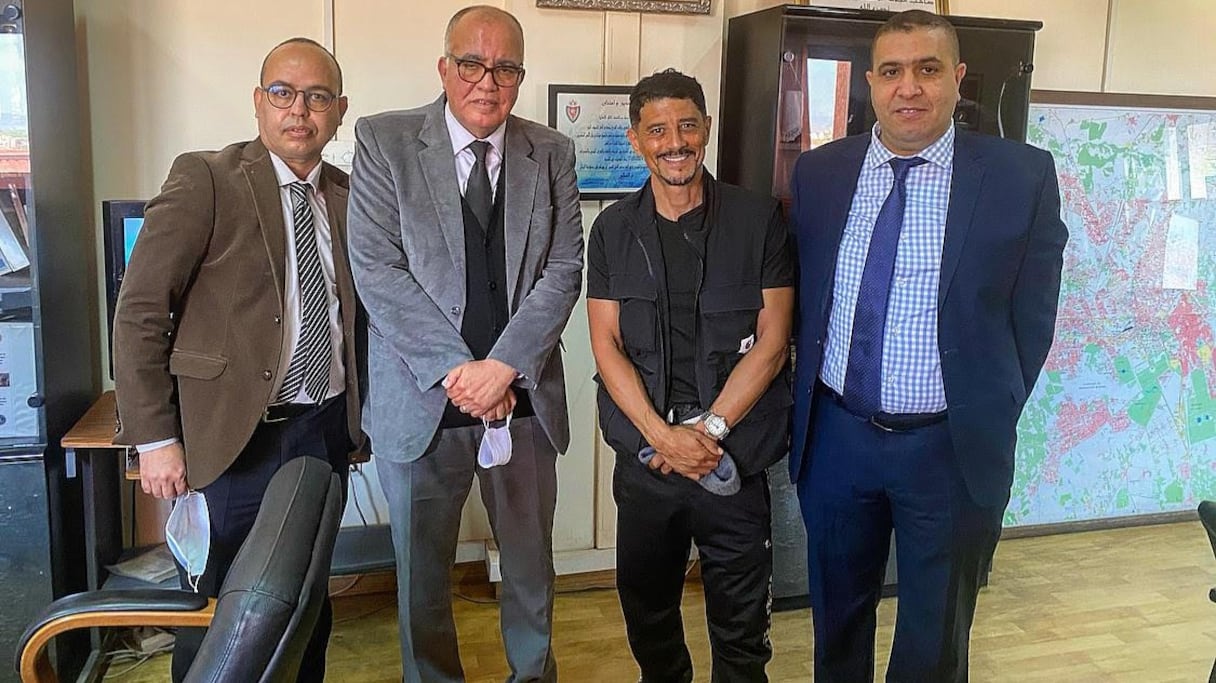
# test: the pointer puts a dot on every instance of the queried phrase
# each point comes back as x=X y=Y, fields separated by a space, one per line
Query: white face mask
x=495 y=447
x=188 y=533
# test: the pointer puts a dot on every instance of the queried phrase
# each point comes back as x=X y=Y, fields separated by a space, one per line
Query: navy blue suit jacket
x=1000 y=284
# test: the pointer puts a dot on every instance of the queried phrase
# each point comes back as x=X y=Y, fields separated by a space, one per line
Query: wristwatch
x=715 y=425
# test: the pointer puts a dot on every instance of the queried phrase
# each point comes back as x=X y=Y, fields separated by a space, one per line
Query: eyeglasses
x=472 y=71
x=284 y=96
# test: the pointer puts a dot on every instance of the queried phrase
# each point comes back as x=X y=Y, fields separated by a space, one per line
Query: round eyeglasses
x=284 y=96
x=472 y=71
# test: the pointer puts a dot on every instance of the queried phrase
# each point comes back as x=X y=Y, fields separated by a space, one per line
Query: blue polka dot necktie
x=863 y=375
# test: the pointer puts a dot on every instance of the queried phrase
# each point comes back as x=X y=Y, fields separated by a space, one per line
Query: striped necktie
x=309 y=366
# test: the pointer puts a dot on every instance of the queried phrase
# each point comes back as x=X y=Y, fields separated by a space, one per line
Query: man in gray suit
x=466 y=246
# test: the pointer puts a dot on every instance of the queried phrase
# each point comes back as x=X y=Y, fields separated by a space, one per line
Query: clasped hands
x=482 y=388
x=684 y=449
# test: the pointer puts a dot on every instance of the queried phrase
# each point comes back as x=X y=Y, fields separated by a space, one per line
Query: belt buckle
x=267 y=419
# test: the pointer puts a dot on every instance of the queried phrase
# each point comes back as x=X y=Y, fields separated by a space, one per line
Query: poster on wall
x=938 y=6
x=596 y=118
x=18 y=381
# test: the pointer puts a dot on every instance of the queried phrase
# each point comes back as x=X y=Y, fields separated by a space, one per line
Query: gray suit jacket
x=407 y=253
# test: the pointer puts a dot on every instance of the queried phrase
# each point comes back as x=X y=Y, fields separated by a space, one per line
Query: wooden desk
x=89 y=446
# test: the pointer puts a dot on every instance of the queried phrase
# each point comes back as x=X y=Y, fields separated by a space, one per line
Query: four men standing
x=925 y=253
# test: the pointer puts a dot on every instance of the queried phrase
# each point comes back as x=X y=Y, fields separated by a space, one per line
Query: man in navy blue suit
x=930 y=270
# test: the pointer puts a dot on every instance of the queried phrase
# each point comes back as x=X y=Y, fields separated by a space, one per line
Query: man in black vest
x=690 y=301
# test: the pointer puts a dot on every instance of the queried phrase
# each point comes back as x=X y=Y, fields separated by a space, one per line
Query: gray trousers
x=425 y=498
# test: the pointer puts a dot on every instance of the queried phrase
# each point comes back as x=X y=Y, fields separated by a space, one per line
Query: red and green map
x=1121 y=422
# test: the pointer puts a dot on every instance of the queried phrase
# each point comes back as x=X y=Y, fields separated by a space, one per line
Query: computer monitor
x=122 y=221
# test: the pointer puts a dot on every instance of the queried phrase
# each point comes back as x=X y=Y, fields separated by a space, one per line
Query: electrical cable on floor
x=346 y=589
x=132 y=653
x=136 y=665
x=475 y=601
x=365 y=615
x=354 y=492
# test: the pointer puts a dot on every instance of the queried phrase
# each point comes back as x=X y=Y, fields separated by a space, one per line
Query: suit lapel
x=335 y=207
x=520 y=193
x=438 y=161
x=842 y=183
x=967 y=177
x=264 y=187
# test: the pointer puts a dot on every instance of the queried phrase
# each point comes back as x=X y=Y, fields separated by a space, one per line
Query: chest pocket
x=638 y=317
x=729 y=314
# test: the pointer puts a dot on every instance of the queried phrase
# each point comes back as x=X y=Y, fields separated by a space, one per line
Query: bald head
x=483 y=14
x=300 y=43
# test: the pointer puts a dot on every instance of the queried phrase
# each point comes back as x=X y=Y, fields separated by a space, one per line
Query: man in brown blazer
x=234 y=336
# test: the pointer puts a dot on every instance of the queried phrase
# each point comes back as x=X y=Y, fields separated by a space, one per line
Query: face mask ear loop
x=486 y=423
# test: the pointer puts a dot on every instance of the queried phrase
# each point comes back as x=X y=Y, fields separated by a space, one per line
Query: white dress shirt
x=911 y=363
x=291 y=281
x=465 y=157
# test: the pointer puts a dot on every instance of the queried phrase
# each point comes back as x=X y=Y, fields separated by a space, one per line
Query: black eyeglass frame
x=494 y=72
x=296 y=93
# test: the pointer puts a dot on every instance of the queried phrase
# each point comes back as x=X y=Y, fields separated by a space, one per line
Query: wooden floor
x=1124 y=605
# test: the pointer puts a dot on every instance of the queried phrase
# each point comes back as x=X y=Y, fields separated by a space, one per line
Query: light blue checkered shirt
x=911 y=366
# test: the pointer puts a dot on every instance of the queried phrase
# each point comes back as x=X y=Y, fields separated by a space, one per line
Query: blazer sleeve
x=177 y=229
x=398 y=308
x=1036 y=292
x=537 y=324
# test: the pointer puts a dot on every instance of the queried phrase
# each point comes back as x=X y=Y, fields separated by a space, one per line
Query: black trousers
x=232 y=505
x=658 y=516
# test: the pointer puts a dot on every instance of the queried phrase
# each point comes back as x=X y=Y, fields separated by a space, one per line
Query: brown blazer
x=198 y=327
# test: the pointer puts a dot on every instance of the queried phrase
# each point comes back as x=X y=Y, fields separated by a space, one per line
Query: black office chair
x=267 y=607
x=1207 y=516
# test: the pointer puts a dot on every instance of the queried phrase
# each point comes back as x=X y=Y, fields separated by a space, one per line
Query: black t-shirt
x=683 y=244
x=777 y=269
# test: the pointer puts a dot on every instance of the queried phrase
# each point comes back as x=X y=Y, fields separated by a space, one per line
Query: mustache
x=677 y=152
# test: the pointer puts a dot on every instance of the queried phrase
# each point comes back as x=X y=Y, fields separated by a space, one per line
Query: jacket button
x=267 y=375
x=455 y=310
x=278 y=319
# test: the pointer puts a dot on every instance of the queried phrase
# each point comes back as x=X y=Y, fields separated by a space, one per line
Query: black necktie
x=863 y=374
x=477 y=193
x=310 y=362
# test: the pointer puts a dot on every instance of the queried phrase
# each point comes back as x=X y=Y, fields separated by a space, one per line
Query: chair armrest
x=136 y=607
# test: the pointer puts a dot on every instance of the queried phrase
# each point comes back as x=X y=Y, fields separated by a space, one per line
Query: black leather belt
x=888 y=422
x=281 y=412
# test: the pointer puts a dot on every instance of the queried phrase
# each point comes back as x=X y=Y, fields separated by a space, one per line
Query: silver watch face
x=715 y=425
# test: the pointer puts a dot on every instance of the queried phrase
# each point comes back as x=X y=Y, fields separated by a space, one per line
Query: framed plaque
x=596 y=118
x=660 y=6
x=938 y=6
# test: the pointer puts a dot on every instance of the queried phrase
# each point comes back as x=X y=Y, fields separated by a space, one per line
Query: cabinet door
x=25 y=558
x=21 y=420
